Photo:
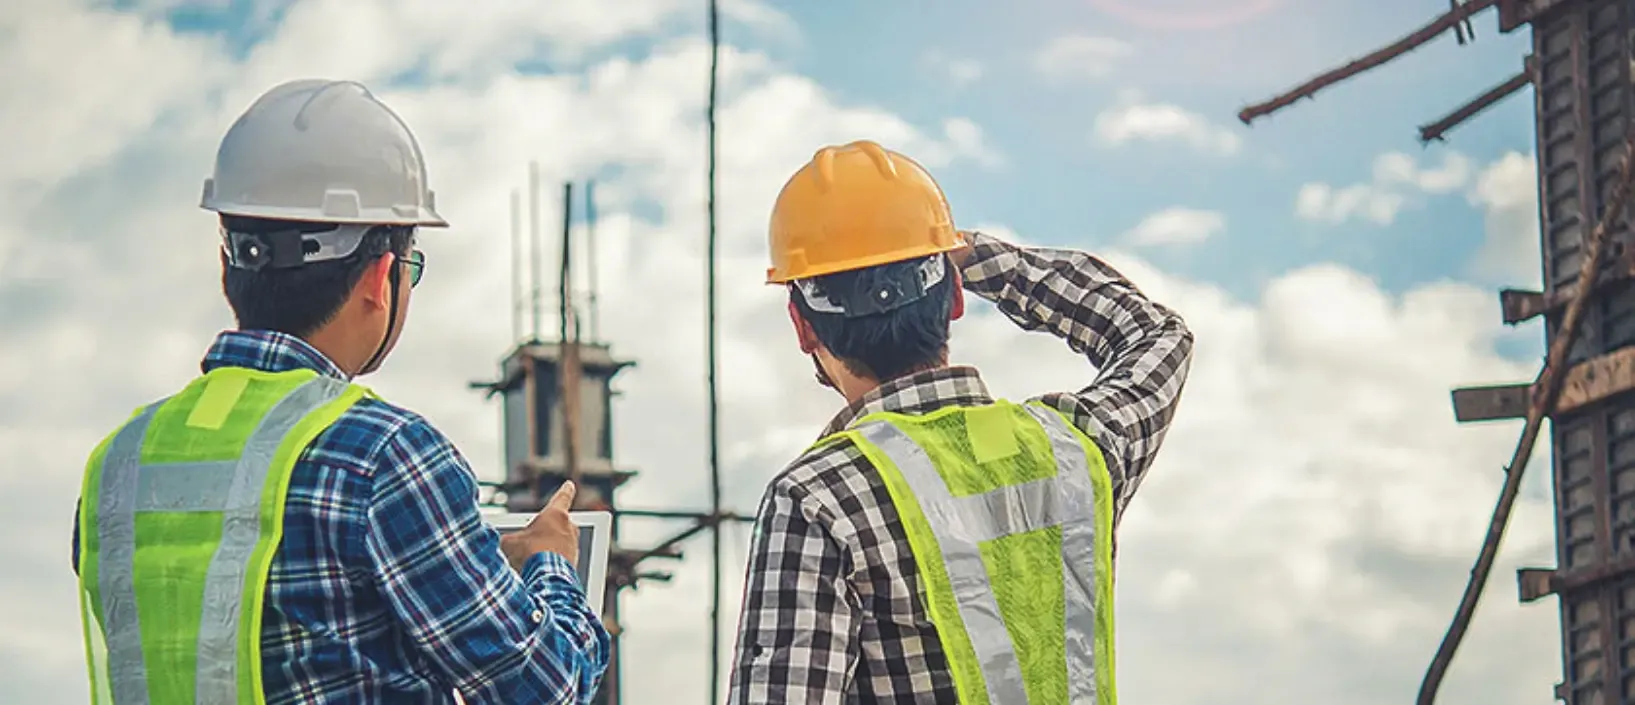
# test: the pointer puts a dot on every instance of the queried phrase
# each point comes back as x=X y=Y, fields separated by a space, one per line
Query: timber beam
x=1514 y=14
x=1535 y=584
x=1521 y=305
x=1585 y=383
x=1437 y=131
x=1538 y=583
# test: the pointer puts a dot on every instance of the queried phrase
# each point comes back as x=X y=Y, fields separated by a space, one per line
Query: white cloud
x=1291 y=545
x=1133 y=119
x=1176 y=226
x=1322 y=202
x=1507 y=193
x=1080 y=56
x=1398 y=168
x=1396 y=180
x=961 y=70
x=967 y=138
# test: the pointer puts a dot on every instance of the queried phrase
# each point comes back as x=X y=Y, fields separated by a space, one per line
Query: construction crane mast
x=1581 y=72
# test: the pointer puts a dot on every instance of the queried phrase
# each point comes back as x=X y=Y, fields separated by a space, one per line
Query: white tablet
x=595 y=537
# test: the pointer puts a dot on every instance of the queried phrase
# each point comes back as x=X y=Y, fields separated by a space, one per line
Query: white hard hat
x=321 y=151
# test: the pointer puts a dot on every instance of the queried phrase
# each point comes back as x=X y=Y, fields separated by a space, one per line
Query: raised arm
x=1141 y=348
x=496 y=636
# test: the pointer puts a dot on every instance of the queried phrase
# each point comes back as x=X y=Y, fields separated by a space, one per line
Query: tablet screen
x=587 y=538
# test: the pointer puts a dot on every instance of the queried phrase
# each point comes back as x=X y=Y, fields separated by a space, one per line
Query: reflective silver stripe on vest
x=961 y=524
x=184 y=487
x=233 y=488
x=116 y=558
x=1079 y=538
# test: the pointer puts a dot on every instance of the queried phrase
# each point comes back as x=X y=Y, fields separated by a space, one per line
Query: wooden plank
x=1596 y=379
x=1509 y=15
x=1506 y=401
x=1459 y=15
x=1535 y=584
x=1524 y=11
x=1538 y=583
x=1588 y=382
x=1437 y=131
x=1520 y=304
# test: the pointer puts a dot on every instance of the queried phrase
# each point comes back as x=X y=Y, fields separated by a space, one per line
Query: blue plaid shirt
x=388 y=586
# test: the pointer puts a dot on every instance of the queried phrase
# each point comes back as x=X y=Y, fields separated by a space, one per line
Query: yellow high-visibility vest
x=1009 y=514
x=180 y=513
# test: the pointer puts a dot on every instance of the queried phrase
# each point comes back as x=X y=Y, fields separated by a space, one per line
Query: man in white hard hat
x=274 y=533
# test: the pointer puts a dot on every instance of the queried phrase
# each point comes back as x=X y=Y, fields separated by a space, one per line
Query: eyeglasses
x=417 y=266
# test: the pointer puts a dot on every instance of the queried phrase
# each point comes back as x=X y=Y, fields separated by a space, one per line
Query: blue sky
x=1056 y=187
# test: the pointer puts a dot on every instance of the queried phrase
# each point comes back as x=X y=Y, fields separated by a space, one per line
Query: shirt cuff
x=551 y=568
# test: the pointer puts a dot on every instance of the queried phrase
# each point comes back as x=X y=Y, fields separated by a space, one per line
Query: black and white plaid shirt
x=832 y=612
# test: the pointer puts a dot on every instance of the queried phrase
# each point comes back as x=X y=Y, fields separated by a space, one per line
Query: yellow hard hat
x=857 y=206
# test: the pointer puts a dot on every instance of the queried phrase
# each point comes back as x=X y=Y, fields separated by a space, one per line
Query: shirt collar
x=268 y=351
x=918 y=393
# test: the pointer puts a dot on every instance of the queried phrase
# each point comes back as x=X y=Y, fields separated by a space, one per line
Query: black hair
x=300 y=300
x=883 y=347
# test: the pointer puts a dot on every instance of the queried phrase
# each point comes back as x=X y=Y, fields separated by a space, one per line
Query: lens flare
x=1185 y=14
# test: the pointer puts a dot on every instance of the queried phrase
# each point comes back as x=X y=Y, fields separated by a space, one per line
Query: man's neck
x=332 y=344
x=855 y=388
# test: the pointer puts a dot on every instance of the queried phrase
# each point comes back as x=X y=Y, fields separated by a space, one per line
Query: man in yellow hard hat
x=938 y=545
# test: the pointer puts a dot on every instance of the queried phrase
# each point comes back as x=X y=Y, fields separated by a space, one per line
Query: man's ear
x=959 y=298
x=376 y=282
x=803 y=331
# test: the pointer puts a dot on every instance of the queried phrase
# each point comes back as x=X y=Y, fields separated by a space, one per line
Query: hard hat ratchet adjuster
x=285 y=249
x=881 y=296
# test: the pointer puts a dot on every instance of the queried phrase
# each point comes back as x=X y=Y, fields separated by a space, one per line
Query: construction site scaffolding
x=584 y=369
x=1580 y=69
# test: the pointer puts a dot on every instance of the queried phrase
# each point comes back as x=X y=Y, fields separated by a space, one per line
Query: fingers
x=563 y=499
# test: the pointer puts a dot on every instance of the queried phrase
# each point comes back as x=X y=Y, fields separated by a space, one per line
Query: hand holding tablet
x=548 y=531
x=581 y=537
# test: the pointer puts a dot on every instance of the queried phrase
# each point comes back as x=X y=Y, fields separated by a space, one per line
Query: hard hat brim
x=775 y=276
x=425 y=218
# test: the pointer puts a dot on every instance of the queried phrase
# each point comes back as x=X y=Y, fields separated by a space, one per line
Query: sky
x=1308 y=527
